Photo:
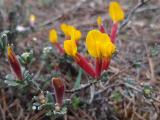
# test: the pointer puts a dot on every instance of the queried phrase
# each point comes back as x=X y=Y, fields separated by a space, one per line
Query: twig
x=130 y=14
x=140 y=91
x=125 y=96
x=5 y=107
x=139 y=116
x=82 y=87
x=85 y=114
x=39 y=114
x=2 y=113
x=107 y=87
x=150 y=62
x=96 y=81
x=92 y=91
x=150 y=7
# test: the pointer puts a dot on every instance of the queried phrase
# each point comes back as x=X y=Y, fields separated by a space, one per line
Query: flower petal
x=115 y=11
x=99 y=21
x=53 y=36
x=108 y=49
x=70 y=47
x=67 y=29
x=91 y=40
x=95 y=42
x=75 y=34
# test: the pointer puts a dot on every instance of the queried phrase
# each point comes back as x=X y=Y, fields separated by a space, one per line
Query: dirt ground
x=137 y=60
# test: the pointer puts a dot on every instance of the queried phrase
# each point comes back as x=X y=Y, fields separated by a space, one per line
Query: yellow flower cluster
x=99 y=44
x=71 y=32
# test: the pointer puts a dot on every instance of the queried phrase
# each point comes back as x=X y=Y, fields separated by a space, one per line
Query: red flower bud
x=59 y=90
x=14 y=63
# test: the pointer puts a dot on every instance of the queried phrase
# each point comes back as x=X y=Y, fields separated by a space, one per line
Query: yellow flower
x=67 y=29
x=71 y=32
x=53 y=36
x=75 y=34
x=99 y=44
x=70 y=48
x=108 y=49
x=32 y=19
x=99 y=21
x=115 y=11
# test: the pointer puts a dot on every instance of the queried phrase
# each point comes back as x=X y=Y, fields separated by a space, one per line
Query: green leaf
x=48 y=106
x=60 y=113
x=3 y=41
x=11 y=83
x=116 y=96
x=104 y=77
x=147 y=90
x=78 y=80
x=26 y=58
x=49 y=97
x=49 y=113
x=9 y=77
x=155 y=50
x=75 y=102
x=136 y=64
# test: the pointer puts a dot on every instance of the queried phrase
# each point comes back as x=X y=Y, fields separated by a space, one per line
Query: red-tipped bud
x=59 y=90
x=100 y=24
x=14 y=63
x=114 y=32
x=85 y=65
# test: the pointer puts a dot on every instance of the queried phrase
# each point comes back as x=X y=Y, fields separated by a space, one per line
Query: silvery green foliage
x=3 y=41
x=48 y=105
x=27 y=57
x=11 y=80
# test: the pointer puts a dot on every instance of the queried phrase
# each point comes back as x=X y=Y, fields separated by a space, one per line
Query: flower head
x=71 y=32
x=32 y=19
x=66 y=29
x=70 y=47
x=99 y=44
x=115 y=11
x=75 y=34
x=14 y=63
x=53 y=36
x=100 y=24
